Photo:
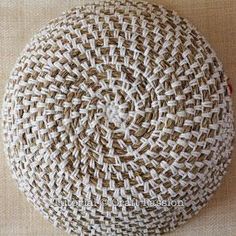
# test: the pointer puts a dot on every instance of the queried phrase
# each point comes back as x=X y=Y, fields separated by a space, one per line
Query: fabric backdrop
x=20 y=19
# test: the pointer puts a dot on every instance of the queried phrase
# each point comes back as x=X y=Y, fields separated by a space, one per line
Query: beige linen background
x=20 y=19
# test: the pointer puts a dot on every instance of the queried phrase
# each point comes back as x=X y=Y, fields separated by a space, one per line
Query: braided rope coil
x=118 y=101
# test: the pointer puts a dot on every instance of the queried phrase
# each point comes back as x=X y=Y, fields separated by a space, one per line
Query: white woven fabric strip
x=118 y=102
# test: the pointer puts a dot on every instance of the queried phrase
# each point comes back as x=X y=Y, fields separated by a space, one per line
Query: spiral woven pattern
x=118 y=101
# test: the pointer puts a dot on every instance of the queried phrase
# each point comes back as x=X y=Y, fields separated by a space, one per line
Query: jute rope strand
x=113 y=102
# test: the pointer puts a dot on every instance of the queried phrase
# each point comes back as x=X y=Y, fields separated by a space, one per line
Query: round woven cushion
x=113 y=104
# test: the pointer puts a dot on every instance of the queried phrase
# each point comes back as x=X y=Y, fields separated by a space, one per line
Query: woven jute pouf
x=117 y=120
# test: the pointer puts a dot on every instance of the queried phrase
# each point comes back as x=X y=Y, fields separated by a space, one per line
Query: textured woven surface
x=117 y=118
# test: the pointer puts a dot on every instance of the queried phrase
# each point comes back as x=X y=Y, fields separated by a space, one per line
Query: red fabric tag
x=230 y=88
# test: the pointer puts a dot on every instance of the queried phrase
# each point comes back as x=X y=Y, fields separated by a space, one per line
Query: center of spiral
x=115 y=113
